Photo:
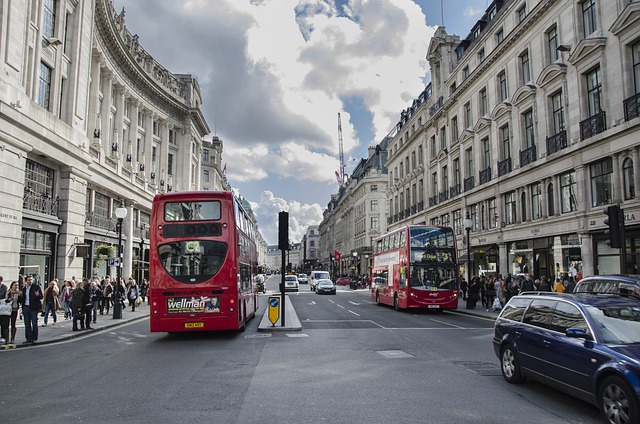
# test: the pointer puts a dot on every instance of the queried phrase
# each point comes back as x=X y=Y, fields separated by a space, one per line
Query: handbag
x=6 y=307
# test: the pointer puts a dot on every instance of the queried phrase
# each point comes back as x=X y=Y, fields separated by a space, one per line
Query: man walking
x=31 y=300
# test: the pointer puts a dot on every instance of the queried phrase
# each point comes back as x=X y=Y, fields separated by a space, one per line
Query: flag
x=336 y=255
x=224 y=170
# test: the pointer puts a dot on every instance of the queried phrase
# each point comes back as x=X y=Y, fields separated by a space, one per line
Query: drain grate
x=485 y=369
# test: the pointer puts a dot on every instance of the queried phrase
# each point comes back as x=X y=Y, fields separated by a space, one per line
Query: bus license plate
x=193 y=324
x=434 y=306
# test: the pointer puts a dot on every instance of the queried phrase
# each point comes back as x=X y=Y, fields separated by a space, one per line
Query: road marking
x=354 y=303
x=312 y=302
x=446 y=323
x=349 y=310
x=331 y=301
x=339 y=306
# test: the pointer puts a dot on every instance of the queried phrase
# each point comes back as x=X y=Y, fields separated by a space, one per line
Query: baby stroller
x=497 y=306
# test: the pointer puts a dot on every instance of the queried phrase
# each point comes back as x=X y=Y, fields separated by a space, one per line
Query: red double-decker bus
x=416 y=267
x=202 y=263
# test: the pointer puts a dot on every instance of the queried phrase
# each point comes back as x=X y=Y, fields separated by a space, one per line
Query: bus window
x=192 y=261
x=191 y=211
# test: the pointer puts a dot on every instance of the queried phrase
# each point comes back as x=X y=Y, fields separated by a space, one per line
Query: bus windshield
x=432 y=278
x=191 y=211
x=192 y=261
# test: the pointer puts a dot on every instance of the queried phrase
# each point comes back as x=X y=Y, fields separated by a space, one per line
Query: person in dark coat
x=31 y=301
x=87 y=303
x=77 y=304
x=463 y=288
x=474 y=293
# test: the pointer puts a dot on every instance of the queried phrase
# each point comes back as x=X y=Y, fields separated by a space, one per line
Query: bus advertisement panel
x=416 y=267
x=202 y=263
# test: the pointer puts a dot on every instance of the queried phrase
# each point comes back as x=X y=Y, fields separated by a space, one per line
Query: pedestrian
x=87 y=304
x=463 y=288
x=544 y=284
x=106 y=299
x=474 y=293
x=77 y=306
x=132 y=293
x=51 y=302
x=571 y=285
x=121 y=293
x=558 y=287
x=96 y=299
x=14 y=295
x=490 y=293
x=5 y=312
x=501 y=292
x=527 y=284
x=31 y=301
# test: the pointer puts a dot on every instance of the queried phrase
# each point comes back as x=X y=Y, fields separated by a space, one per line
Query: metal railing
x=593 y=125
x=504 y=167
x=557 y=142
x=631 y=106
x=527 y=156
x=485 y=175
x=469 y=183
x=35 y=202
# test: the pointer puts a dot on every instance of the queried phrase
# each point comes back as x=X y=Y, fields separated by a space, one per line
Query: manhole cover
x=486 y=369
x=395 y=354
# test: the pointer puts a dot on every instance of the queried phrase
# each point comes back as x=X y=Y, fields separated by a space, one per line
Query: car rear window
x=514 y=310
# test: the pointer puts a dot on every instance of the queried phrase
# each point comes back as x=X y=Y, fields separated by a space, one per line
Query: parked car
x=291 y=283
x=583 y=344
x=326 y=286
x=315 y=276
x=626 y=285
x=343 y=281
x=303 y=279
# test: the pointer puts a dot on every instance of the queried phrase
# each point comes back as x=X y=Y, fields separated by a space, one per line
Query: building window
x=601 y=182
x=434 y=183
x=500 y=36
x=205 y=176
x=536 y=201
x=525 y=68
x=636 y=67
x=484 y=104
x=568 y=190
x=594 y=91
x=481 y=56
x=456 y=172
x=170 y=164
x=528 y=129
x=523 y=206
x=486 y=152
x=374 y=205
x=374 y=187
x=505 y=144
x=628 y=179
x=558 y=112
x=550 y=200
x=445 y=177
x=44 y=86
x=420 y=160
x=470 y=167
x=49 y=18
x=375 y=222
x=492 y=218
x=465 y=72
x=454 y=129
x=205 y=155
x=552 y=43
x=457 y=221
x=433 y=146
x=39 y=179
x=467 y=115
x=589 y=21
x=522 y=13
x=443 y=138
x=502 y=83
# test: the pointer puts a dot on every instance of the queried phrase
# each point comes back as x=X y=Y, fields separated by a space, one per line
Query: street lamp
x=468 y=224
x=121 y=214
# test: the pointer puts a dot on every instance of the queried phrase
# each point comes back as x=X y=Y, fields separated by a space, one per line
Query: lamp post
x=468 y=223
x=121 y=214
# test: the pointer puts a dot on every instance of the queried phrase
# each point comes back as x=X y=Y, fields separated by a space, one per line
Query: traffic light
x=615 y=226
x=283 y=231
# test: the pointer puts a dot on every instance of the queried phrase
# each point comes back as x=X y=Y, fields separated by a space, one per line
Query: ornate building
x=530 y=128
x=89 y=121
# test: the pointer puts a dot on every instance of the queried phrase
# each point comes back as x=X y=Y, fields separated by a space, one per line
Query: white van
x=315 y=276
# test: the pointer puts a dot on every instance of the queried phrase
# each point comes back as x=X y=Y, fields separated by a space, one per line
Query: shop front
x=555 y=256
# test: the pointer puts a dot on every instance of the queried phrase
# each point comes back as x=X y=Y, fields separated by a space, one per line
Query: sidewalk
x=63 y=328
x=479 y=311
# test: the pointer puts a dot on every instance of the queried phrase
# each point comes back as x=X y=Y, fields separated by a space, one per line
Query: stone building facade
x=88 y=121
x=530 y=128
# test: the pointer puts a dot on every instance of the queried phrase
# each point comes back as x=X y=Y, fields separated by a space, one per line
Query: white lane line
x=339 y=306
x=349 y=310
x=312 y=302
x=446 y=323
x=354 y=303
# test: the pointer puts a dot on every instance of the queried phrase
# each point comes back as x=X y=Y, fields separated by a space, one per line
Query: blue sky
x=275 y=74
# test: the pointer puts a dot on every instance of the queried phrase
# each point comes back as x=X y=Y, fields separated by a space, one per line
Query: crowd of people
x=81 y=301
x=495 y=292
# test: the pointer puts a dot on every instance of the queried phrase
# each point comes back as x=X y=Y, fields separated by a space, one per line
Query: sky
x=274 y=74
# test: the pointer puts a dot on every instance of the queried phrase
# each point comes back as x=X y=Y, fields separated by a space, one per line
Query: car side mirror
x=579 y=333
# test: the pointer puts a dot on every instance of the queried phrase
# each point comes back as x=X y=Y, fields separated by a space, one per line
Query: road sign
x=113 y=261
x=274 y=309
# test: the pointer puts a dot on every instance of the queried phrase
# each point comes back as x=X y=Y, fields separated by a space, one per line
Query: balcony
x=420 y=206
x=557 y=142
x=401 y=215
x=35 y=202
x=485 y=175
x=527 y=156
x=435 y=107
x=443 y=196
x=593 y=125
x=99 y=221
x=631 y=106
x=504 y=167
x=433 y=200
x=454 y=190
x=414 y=209
x=469 y=183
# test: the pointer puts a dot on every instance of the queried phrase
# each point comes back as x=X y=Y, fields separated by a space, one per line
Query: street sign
x=274 y=309
x=112 y=261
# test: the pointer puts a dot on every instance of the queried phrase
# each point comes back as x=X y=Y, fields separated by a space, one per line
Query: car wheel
x=510 y=365
x=617 y=402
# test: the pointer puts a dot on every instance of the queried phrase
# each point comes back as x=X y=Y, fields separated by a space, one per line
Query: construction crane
x=340 y=176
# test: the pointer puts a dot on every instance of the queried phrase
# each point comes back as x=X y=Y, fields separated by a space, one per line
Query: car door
x=531 y=336
x=572 y=361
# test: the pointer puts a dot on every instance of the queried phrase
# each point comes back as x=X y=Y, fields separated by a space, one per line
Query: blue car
x=587 y=345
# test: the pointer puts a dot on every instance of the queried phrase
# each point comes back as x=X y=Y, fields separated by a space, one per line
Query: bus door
x=400 y=284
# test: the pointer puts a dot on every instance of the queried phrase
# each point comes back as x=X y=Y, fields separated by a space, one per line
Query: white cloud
x=471 y=12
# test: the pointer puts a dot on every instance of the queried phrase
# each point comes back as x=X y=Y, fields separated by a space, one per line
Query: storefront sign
x=8 y=216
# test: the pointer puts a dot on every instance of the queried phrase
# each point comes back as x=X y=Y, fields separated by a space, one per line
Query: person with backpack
x=132 y=293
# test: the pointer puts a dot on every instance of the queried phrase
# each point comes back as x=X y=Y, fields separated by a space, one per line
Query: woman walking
x=14 y=295
x=132 y=294
x=50 y=302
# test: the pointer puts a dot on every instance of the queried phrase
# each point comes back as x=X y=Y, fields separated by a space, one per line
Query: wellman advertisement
x=182 y=305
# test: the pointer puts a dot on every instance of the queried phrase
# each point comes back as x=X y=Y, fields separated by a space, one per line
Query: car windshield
x=432 y=278
x=290 y=278
x=616 y=324
x=325 y=283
